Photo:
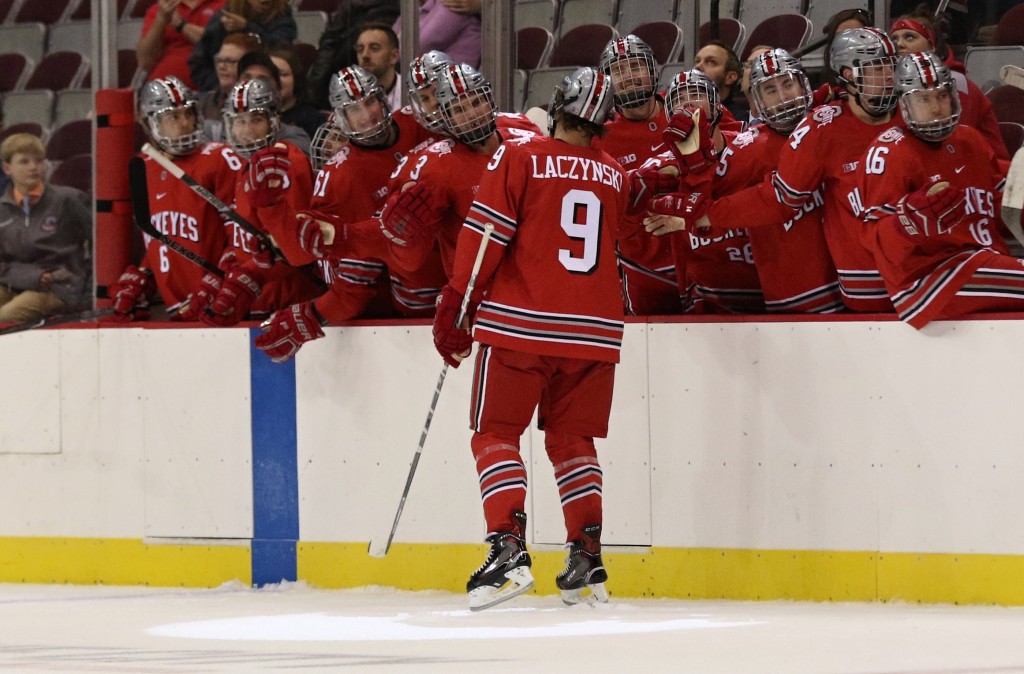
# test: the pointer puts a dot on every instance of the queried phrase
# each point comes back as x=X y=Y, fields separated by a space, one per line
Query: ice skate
x=506 y=571
x=582 y=581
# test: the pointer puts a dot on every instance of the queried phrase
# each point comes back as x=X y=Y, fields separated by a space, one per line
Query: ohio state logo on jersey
x=176 y=224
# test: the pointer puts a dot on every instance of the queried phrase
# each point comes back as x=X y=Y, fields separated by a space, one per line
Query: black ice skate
x=506 y=572
x=582 y=581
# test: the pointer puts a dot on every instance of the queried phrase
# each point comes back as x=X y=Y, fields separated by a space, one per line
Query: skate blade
x=518 y=581
x=588 y=594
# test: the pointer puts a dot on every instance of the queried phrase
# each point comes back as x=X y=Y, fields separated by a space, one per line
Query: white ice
x=294 y=628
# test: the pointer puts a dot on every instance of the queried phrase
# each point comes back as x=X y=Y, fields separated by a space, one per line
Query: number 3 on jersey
x=581 y=221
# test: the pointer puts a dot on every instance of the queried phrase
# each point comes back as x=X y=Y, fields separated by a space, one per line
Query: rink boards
x=832 y=460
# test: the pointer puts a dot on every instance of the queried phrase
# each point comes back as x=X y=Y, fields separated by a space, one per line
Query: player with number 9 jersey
x=555 y=288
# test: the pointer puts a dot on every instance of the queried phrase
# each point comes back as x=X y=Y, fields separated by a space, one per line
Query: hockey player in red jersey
x=822 y=154
x=715 y=270
x=275 y=183
x=171 y=119
x=931 y=194
x=550 y=329
x=791 y=257
x=351 y=188
x=632 y=136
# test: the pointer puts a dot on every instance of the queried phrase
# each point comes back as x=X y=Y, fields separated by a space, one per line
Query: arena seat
x=74 y=172
x=1010 y=29
x=785 y=31
x=311 y=26
x=128 y=33
x=29 y=106
x=751 y=14
x=71 y=35
x=665 y=39
x=14 y=71
x=543 y=13
x=128 y=73
x=70 y=139
x=58 y=71
x=541 y=85
x=581 y=12
x=984 y=63
x=635 y=13
x=34 y=128
x=27 y=38
x=1007 y=103
x=327 y=6
x=74 y=104
x=533 y=47
x=1013 y=136
x=306 y=53
x=582 y=46
x=49 y=12
x=139 y=9
x=5 y=8
x=730 y=31
x=84 y=10
x=667 y=73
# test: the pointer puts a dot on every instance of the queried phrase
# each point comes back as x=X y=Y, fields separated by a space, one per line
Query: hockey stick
x=1012 y=75
x=140 y=206
x=80 y=317
x=380 y=545
x=1013 y=197
x=223 y=209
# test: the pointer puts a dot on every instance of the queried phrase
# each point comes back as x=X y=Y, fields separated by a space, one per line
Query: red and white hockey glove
x=267 y=177
x=451 y=341
x=316 y=228
x=238 y=291
x=932 y=210
x=648 y=182
x=412 y=215
x=287 y=330
x=130 y=294
x=691 y=141
x=194 y=306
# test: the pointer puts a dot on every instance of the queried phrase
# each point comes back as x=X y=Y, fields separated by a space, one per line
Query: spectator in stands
x=5 y=179
x=270 y=20
x=258 y=65
x=337 y=47
x=915 y=33
x=294 y=108
x=169 y=33
x=719 y=62
x=231 y=51
x=456 y=33
x=377 y=50
x=44 y=257
x=840 y=21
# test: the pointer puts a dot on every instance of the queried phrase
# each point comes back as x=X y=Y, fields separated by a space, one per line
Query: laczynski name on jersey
x=577 y=168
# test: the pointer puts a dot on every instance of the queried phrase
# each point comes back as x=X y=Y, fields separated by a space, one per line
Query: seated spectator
x=377 y=50
x=44 y=258
x=719 y=62
x=294 y=108
x=916 y=33
x=258 y=65
x=169 y=34
x=337 y=47
x=840 y=21
x=270 y=20
x=234 y=47
x=456 y=33
x=5 y=179
x=745 y=80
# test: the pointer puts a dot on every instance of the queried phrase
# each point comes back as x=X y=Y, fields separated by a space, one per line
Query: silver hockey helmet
x=585 y=93
x=629 y=62
x=361 y=110
x=327 y=142
x=421 y=83
x=871 y=56
x=251 y=119
x=928 y=96
x=693 y=89
x=171 y=115
x=466 y=103
x=779 y=90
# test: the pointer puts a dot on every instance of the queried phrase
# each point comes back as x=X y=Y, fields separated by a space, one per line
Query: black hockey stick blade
x=140 y=207
x=80 y=317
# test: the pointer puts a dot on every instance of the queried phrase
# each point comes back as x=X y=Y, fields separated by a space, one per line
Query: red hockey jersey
x=550 y=273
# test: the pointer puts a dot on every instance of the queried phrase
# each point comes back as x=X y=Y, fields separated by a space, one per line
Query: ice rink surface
x=294 y=628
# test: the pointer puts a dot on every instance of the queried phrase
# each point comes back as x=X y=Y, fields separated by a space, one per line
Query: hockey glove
x=194 y=306
x=412 y=215
x=932 y=210
x=130 y=301
x=267 y=177
x=648 y=182
x=288 y=329
x=451 y=341
x=322 y=235
x=238 y=291
x=689 y=136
